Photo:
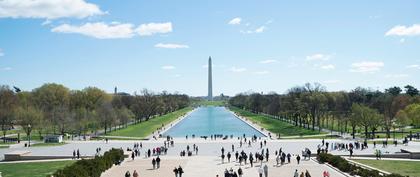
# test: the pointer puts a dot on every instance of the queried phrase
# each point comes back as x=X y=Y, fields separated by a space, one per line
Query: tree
x=410 y=115
x=106 y=115
x=29 y=118
x=410 y=90
x=51 y=99
x=8 y=102
x=393 y=90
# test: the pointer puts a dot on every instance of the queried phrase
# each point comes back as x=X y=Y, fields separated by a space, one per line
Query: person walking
x=307 y=174
x=265 y=170
x=78 y=154
x=260 y=172
x=302 y=174
x=135 y=174
x=176 y=171
x=180 y=171
x=132 y=155
x=228 y=156
x=296 y=174
x=158 y=162
x=74 y=154
x=127 y=174
x=154 y=163
x=298 y=159
x=240 y=172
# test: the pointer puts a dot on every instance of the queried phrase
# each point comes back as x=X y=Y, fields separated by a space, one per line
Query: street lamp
x=29 y=131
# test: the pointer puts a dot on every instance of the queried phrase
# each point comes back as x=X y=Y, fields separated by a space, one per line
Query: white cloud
x=237 y=70
x=171 y=46
x=154 y=28
x=366 y=67
x=261 y=72
x=235 y=21
x=49 y=9
x=327 y=67
x=331 y=81
x=1 y=53
x=404 y=30
x=6 y=69
x=268 y=61
x=46 y=22
x=318 y=57
x=413 y=66
x=396 y=76
x=258 y=30
x=98 y=30
x=168 y=67
x=402 y=40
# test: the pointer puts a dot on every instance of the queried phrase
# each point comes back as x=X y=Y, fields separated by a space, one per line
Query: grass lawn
x=33 y=169
x=47 y=144
x=145 y=128
x=406 y=168
x=273 y=125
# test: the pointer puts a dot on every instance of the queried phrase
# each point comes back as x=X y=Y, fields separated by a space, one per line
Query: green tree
x=8 y=103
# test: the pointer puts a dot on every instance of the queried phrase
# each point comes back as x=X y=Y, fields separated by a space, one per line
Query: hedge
x=92 y=167
x=345 y=166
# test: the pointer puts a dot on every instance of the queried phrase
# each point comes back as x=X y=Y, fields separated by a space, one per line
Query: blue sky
x=164 y=45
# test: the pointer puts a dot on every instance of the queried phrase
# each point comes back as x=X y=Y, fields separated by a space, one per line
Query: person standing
x=158 y=162
x=228 y=156
x=78 y=154
x=265 y=170
x=132 y=155
x=74 y=154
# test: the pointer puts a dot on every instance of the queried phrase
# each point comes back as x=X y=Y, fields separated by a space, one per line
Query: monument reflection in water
x=206 y=121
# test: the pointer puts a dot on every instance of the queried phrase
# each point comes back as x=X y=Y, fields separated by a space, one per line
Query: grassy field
x=32 y=169
x=47 y=144
x=406 y=168
x=144 y=129
x=273 y=125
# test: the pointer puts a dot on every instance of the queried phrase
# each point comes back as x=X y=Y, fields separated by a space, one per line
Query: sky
x=259 y=46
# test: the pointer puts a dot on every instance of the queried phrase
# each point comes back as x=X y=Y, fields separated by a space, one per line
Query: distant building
x=210 y=84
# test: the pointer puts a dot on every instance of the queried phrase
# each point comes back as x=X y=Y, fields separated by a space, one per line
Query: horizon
x=257 y=47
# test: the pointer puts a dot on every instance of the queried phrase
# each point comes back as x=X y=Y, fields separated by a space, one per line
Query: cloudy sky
x=164 y=45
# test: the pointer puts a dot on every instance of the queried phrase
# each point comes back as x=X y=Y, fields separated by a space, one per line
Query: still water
x=206 y=121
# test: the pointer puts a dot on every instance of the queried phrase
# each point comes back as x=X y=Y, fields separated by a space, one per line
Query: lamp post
x=29 y=133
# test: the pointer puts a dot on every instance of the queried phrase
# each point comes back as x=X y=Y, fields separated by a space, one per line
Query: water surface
x=206 y=121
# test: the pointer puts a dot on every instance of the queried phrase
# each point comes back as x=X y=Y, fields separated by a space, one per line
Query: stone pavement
x=209 y=166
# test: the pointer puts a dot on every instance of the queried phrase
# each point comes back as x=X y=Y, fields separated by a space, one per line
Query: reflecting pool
x=206 y=121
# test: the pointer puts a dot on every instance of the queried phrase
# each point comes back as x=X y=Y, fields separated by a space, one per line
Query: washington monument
x=210 y=89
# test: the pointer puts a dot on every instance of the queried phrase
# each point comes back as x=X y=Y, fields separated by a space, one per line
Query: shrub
x=92 y=167
x=343 y=165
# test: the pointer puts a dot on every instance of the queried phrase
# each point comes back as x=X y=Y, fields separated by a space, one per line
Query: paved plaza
x=209 y=166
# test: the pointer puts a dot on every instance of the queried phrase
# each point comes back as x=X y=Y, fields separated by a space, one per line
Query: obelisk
x=210 y=89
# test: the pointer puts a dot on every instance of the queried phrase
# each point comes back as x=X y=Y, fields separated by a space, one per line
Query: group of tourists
x=76 y=154
x=188 y=151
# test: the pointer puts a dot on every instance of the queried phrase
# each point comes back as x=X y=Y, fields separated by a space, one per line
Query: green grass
x=144 y=129
x=32 y=169
x=4 y=147
x=47 y=144
x=273 y=125
x=406 y=168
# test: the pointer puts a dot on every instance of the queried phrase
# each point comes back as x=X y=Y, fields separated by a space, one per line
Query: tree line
x=54 y=108
x=311 y=106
